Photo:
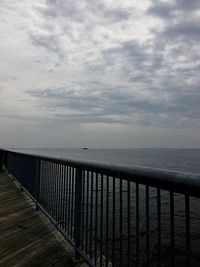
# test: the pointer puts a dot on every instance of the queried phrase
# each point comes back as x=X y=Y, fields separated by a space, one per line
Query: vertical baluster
x=53 y=192
x=60 y=193
x=43 y=199
x=1 y=160
x=107 y=217
x=56 y=191
x=137 y=224
x=101 y=223
x=187 y=225
x=69 y=202
x=96 y=218
x=147 y=225
x=120 y=221
x=91 y=215
x=45 y=187
x=38 y=181
x=172 y=226
x=50 y=189
x=129 y=221
x=72 y=202
x=113 y=234
x=78 y=206
x=87 y=213
x=66 y=197
x=159 y=225
x=83 y=210
x=63 y=195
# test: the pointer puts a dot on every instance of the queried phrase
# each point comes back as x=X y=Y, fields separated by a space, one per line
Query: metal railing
x=113 y=215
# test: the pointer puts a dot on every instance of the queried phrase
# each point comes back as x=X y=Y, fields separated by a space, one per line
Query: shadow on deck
x=27 y=237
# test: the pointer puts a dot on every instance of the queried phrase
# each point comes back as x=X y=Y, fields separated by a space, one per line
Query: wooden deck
x=27 y=238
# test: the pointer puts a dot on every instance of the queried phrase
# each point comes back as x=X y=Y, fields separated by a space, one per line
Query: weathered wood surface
x=27 y=238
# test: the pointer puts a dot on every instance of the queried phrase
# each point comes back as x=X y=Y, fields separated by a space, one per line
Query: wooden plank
x=12 y=201
x=9 y=210
x=15 y=214
x=31 y=252
x=65 y=260
x=27 y=237
x=48 y=254
x=23 y=238
x=12 y=227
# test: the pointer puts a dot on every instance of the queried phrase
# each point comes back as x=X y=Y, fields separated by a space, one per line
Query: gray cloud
x=136 y=63
x=180 y=19
x=169 y=10
x=188 y=29
x=47 y=41
x=188 y=5
x=162 y=10
x=119 y=105
x=167 y=98
x=68 y=24
x=79 y=13
x=130 y=51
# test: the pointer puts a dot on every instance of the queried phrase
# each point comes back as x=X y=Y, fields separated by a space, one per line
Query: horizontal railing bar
x=179 y=182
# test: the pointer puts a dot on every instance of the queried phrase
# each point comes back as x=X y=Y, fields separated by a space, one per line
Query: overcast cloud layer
x=81 y=71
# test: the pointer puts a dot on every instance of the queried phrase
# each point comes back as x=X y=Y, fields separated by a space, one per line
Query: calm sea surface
x=184 y=160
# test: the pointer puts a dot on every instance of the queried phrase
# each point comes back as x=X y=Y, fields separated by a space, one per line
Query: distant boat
x=85 y=148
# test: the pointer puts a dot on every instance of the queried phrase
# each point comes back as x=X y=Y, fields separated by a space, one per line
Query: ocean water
x=184 y=160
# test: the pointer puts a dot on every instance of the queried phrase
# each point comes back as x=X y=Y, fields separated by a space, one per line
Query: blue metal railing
x=112 y=214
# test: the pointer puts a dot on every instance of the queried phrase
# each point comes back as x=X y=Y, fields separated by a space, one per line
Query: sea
x=182 y=160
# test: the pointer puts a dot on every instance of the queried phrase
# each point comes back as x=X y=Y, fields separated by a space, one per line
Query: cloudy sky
x=103 y=73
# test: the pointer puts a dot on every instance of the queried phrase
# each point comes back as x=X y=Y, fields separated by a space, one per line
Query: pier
x=63 y=212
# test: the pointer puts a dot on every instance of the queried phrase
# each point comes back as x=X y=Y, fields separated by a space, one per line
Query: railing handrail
x=179 y=182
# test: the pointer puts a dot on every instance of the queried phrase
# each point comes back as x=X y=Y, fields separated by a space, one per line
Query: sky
x=103 y=73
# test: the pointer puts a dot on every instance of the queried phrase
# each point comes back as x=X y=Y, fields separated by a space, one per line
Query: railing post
x=5 y=159
x=38 y=168
x=1 y=160
x=78 y=207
